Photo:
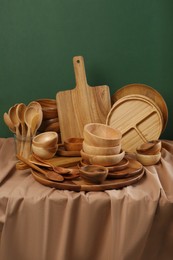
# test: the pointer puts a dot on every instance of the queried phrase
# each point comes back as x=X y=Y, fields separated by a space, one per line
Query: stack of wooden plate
x=140 y=113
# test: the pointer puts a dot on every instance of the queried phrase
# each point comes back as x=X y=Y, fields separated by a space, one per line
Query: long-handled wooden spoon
x=51 y=175
x=58 y=169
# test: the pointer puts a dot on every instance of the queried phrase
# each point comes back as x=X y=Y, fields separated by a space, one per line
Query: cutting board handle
x=79 y=70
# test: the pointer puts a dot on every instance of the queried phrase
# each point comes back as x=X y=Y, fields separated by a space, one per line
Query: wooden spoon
x=51 y=175
x=9 y=123
x=14 y=118
x=29 y=114
x=58 y=169
x=36 y=122
x=20 y=110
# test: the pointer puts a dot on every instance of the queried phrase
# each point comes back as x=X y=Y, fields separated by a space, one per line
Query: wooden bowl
x=151 y=147
x=148 y=159
x=95 y=150
x=93 y=173
x=73 y=144
x=50 y=125
x=46 y=139
x=49 y=108
x=44 y=152
x=101 y=135
x=104 y=160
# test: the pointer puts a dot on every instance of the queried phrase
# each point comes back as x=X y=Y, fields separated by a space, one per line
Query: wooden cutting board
x=138 y=118
x=81 y=105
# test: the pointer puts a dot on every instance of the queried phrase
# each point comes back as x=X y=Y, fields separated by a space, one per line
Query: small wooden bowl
x=95 y=150
x=104 y=160
x=148 y=159
x=151 y=147
x=44 y=152
x=101 y=135
x=93 y=173
x=49 y=108
x=46 y=140
x=50 y=125
x=73 y=144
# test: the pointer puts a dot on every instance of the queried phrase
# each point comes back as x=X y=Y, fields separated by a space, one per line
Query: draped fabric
x=42 y=223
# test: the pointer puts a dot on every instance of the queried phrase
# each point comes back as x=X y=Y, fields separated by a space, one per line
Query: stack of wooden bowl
x=149 y=153
x=101 y=145
x=45 y=145
x=50 y=120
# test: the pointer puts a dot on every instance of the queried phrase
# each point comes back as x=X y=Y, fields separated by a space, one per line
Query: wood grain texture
x=138 y=118
x=147 y=91
x=81 y=105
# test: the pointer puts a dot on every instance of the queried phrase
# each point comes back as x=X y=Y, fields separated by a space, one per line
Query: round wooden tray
x=143 y=89
x=138 y=118
x=80 y=185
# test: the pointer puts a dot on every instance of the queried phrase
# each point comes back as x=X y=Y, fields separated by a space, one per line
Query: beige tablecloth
x=42 y=223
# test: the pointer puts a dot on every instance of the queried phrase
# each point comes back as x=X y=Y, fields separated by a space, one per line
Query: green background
x=122 y=42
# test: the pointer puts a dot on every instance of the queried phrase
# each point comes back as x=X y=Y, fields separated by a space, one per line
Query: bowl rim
x=106 y=127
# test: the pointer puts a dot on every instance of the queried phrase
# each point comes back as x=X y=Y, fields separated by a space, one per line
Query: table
x=42 y=223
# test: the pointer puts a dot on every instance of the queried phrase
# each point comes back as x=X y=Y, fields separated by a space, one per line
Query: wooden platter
x=80 y=185
x=138 y=118
x=145 y=90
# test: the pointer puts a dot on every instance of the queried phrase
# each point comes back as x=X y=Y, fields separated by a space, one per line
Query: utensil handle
x=79 y=70
x=30 y=164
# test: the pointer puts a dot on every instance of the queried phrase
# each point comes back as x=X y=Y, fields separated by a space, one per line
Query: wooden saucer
x=62 y=152
x=134 y=168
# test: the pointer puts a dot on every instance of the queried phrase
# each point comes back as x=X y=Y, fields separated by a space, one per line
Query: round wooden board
x=143 y=89
x=138 y=118
x=81 y=185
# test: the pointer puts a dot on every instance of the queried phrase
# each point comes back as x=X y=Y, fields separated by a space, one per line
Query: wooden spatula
x=81 y=105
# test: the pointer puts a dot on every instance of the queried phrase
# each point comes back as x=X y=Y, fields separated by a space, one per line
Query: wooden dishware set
x=94 y=133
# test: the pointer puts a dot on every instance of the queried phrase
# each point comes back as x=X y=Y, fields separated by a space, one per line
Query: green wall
x=122 y=41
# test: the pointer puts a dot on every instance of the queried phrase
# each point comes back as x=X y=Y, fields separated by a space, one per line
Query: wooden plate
x=81 y=185
x=62 y=152
x=134 y=168
x=119 y=166
x=138 y=118
x=147 y=91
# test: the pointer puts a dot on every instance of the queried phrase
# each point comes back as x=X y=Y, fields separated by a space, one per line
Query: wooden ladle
x=51 y=175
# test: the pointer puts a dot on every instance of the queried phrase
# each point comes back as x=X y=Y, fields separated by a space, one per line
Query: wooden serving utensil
x=51 y=175
x=68 y=173
x=58 y=169
x=9 y=123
